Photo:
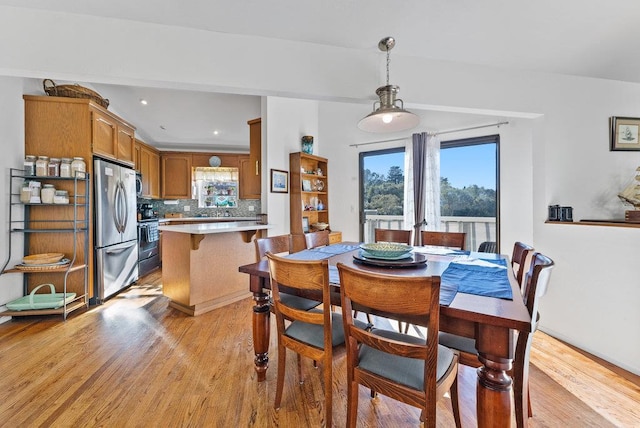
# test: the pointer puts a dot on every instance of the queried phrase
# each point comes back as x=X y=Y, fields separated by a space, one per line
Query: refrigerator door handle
x=125 y=206
x=117 y=250
x=116 y=208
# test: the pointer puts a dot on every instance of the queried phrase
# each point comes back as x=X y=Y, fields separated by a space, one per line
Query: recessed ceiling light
x=215 y=132
x=143 y=101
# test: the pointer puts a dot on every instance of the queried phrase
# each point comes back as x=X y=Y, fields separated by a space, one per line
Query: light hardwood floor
x=134 y=362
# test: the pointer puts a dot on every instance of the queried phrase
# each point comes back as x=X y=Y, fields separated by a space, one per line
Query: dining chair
x=393 y=235
x=312 y=334
x=409 y=369
x=520 y=259
x=390 y=235
x=281 y=245
x=536 y=283
x=317 y=239
x=488 y=247
x=444 y=239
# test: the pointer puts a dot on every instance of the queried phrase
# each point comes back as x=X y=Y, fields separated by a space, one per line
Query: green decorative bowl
x=386 y=249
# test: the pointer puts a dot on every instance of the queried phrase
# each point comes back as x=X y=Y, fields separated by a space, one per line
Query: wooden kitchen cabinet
x=112 y=137
x=251 y=168
x=148 y=165
x=65 y=127
x=177 y=169
x=176 y=175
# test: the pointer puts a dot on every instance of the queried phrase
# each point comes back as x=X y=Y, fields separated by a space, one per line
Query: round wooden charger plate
x=414 y=260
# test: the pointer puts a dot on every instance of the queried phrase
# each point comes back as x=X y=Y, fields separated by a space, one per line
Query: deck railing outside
x=478 y=229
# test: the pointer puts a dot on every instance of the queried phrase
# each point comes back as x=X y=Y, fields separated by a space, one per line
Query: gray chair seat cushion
x=403 y=370
x=460 y=343
x=313 y=334
x=297 y=302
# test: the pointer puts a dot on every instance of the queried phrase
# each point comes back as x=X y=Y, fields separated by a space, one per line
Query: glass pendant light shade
x=388 y=114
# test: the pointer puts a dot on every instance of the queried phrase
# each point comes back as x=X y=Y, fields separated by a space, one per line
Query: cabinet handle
x=257 y=169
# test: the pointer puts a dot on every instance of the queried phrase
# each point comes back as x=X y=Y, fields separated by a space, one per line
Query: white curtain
x=432 y=183
x=430 y=199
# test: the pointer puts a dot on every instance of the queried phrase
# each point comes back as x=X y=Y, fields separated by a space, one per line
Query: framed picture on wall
x=305 y=224
x=279 y=181
x=624 y=133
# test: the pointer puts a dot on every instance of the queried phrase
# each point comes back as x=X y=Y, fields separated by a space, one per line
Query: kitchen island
x=200 y=263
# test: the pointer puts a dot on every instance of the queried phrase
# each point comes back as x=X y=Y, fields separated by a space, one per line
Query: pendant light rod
x=449 y=131
x=388 y=113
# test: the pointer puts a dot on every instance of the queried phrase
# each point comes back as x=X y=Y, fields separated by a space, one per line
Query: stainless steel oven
x=148 y=252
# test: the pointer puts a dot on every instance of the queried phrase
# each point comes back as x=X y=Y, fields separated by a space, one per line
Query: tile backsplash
x=177 y=206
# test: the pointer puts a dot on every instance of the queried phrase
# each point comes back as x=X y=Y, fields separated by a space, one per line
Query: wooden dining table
x=491 y=321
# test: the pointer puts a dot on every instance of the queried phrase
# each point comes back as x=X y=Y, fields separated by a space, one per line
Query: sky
x=463 y=166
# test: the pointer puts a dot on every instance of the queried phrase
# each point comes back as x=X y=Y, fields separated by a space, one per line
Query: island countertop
x=210 y=219
x=221 y=227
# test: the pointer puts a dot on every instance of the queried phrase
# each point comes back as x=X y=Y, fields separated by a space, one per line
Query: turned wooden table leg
x=261 y=332
x=494 y=392
x=495 y=351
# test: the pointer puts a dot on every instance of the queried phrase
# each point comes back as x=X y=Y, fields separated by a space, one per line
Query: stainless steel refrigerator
x=116 y=234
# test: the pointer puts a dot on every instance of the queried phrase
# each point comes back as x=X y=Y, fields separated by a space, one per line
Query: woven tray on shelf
x=73 y=91
x=51 y=266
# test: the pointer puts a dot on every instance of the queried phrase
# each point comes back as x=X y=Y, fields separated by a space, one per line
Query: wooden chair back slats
x=317 y=239
x=410 y=299
x=444 y=239
x=520 y=260
x=280 y=244
x=393 y=235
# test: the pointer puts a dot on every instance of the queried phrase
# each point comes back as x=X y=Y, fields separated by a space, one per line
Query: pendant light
x=390 y=115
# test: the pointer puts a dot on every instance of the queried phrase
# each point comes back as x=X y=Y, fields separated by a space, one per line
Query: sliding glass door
x=469 y=193
x=381 y=191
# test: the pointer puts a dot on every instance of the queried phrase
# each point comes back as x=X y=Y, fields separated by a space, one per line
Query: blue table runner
x=457 y=278
x=479 y=280
x=322 y=253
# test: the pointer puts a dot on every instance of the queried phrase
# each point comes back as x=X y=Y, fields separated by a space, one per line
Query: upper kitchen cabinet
x=250 y=169
x=60 y=126
x=113 y=138
x=176 y=175
x=147 y=160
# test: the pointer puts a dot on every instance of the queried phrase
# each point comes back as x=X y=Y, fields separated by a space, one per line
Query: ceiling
x=591 y=38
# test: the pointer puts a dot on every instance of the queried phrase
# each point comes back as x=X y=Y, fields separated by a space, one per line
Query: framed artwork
x=305 y=224
x=279 y=181
x=624 y=133
x=306 y=185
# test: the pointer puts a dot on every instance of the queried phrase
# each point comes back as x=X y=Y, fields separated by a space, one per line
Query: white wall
x=563 y=157
x=287 y=120
x=12 y=143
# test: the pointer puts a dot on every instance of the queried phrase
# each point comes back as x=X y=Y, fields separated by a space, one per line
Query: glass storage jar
x=29 y=165
x=78 y=167
x=65 y=167
x=42 y=166
x=35 y=192
x=61 y=197
x=47 y=193
x=54 y=167
x=25 y=193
